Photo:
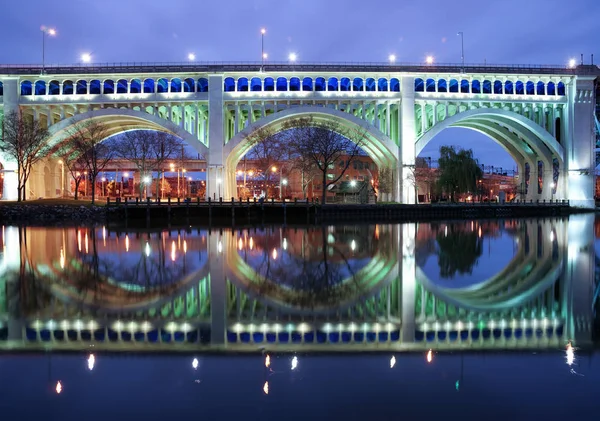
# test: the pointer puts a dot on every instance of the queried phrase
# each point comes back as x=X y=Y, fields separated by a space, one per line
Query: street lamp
x=572 y=63
x=50 y=32
x=293 y=57
x=62 y=177
x=462 y=50
x=263 y=56
x=392 y=58
x=86 y=57
x=191 y=56
x=429 y=60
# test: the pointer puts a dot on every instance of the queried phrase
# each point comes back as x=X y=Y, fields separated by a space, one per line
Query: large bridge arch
x=380 y=147
x=119 y=120
x=523 y=139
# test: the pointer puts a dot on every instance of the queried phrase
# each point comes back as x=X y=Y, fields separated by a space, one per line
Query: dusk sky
x=498 y=32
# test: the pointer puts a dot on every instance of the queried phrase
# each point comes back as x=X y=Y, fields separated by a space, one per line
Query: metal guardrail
x=251 y=66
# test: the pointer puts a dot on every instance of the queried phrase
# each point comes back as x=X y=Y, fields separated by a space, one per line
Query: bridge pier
x=10 y=182
x=218 y=288
x=406 y=247
x=404 y=181
x=216 y=173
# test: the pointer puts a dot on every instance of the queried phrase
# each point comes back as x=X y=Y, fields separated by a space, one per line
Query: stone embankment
x=42 y=214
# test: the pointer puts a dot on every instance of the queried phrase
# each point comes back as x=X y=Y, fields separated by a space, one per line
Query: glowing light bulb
x=195 y=363
x=393 y=362
x=59 y=387
x=268 y=361
x=429 y=356
x=91 y=361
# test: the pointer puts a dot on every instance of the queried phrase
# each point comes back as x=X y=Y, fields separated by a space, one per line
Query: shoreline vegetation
x=65 y=211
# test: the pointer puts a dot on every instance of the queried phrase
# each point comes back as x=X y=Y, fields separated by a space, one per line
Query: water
x=339 y=304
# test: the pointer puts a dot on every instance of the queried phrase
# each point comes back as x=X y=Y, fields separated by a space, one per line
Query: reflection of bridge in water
x=243 y=290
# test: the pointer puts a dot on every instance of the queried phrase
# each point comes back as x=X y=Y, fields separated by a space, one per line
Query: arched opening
x=320 y=84
x=135 y=86
x=242 y=85
x=442 y=85
x=149 y=86
x=202 y=84
x=95 y=87
x=453 y=86
x=256 y=84
x=109 y=87
x=269 y=84
x=282 y=84
x=465 y=86
x=332 y=84
x=382 y=84
x=249 y=164
x=497 y=87
x=487 y=87
x=189 y=85
x=26 y=88
x=430 y=85
x=82 y=86
x=394 y=85
x=307 y=84
x=1 y=88
x=176 y=85
x=370 y=85
x=162 y=86
x=122 y=86
x=345 y=84
x=504 y=144
x=68 y=87
x=229 y=84
x=419 y=85
x=475 y=87
x=295 y=84
x=40 y=87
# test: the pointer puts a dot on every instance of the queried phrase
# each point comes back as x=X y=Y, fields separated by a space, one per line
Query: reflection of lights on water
x=79 y=240
x=479 y=232
x=240 y=244
x=570 y=354
x=91 y=361
x=551 y=236
x=294 y=363
x=393 y=362
x=147 y=249
x=220 y=246
x=274 y=254
x=126 y=242
x=446 y=231
x=429 y=356
x=284 y=245
x=104 y=235
x=353 y=245
x=62 y=258
x=268 y=361
x=86 y=243
x=266 y=388
x=251 y=243
x=59 y=387
x=173 y=251
x=195 y=363
x=184 y=246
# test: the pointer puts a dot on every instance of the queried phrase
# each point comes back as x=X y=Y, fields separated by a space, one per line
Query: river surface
x=489 y=319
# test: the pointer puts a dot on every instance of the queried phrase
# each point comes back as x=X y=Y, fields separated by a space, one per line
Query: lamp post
x=263 y=56
x=462 y=51
x=62 y=178
x=274 y=170
x=86 y=58
x=50 y=32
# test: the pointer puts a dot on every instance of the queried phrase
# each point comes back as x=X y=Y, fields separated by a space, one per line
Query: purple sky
x=507 y=31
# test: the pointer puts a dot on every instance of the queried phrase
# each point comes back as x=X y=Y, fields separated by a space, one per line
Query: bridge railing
x=232 y=66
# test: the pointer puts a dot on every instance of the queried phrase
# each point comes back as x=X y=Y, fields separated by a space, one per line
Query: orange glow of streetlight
x=268 y=361
x=59 y=387
x=266 y=388
x=273 y=168
x=429 y=356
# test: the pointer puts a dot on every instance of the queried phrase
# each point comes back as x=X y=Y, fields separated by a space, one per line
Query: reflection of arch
x=537 y=137
x=122 y=120
x=380 y=271
x=383 y=151
x=119 y=299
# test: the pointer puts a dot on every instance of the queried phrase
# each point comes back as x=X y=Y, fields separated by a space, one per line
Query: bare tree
x=385 y=182
x=86 y=140
x=147 y=150
x=76 y=166
x=308 y=172
x=268 y=150
x=323 y=143
x=25 y=141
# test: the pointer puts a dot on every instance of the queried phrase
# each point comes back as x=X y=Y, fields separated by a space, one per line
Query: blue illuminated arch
x=40 y=87
x=430 y=85
x=442 y=85
x=256 y=84
x=176 y=85
x=370 y=85
x=539 y=88
x=122 y=86
x=394 y=85
x=269 y=84
x=229 y=84
x=475 y=87
x=358 y=84
x=95 y=87
x=281 y=85
x=68 y=87
x=530 y=88
x=1 y=88
x=295 y=84
x=560 y=88
x=135 y=86
x=54 y=87
x=203 y=84
x=189 y=85
x=162 y=86
x=26 y=88
x=307 y=84
x=497 y=87
x=551 y=88
x=242 y=84
x=109 y=87
x=519 y=88
x=465 y=86
x=81 y=87
x=453 y=86
x=332 y=84
x=320 y=84
x=149 y=86
x=345 y=84
x=509 y=88
x=419 y=85
x=382 y=84
x=487 y=87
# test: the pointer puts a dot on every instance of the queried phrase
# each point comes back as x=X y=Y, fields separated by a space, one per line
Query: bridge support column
x=409 y=283
x=407 y=142
x=10 y=104
x=216 y=172
x=218 y=288
x=579 y=275
x=580 y=143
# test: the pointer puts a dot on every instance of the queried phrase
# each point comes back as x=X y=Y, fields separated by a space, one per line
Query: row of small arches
x=318 y=84
x=488 y=87
x=121 y=86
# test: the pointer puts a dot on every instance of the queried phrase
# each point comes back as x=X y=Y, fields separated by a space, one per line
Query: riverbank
x=58 y=211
